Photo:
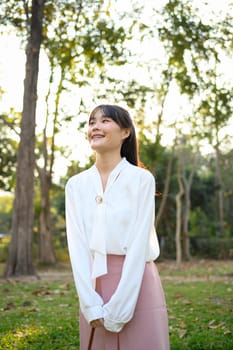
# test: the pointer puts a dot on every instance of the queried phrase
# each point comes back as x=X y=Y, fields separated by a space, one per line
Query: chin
x=97 y=148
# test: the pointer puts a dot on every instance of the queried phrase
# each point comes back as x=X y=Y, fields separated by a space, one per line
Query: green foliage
x=215 y=111
x=8 y=149
x=6 y=205
x=183 y=32
x=212 y=248
x=190 y=41
x=200 y=224
x=76 y=168
x=194 y=50
x=202 y=247
x=4 y=248
x=80 y=36
x=131 y=92
x=153 y=155
x=16 y=14
x=203 y=218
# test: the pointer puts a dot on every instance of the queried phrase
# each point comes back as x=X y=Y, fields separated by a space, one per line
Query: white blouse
x=118 y=221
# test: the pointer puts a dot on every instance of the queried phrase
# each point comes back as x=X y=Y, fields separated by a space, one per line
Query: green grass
x=41 y=315
x=38 y=315
x=197 y=268
x=200 y=315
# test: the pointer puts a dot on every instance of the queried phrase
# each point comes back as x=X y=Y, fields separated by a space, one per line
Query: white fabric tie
x=98 y=239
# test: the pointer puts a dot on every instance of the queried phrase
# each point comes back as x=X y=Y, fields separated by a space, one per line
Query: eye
x=91 y=122
x=106 y=120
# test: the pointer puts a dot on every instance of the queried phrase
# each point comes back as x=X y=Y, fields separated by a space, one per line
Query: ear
x=125 y=133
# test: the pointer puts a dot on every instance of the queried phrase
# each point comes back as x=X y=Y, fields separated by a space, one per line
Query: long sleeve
x=120 y=308
x=90 y=302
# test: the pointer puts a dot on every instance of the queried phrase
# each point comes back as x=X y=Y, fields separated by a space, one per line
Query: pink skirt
x=148 y=329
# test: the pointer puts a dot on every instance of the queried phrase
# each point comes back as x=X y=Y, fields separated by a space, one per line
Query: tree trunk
x=230 y=210
x=186 y=243
x=179 y=216
x=46 y=248
x=20 y=258
x=219 y=186
x=187 y=183
x=165 y=192
x=46 y=251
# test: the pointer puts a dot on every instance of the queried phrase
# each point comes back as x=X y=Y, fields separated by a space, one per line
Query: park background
x=170 y=64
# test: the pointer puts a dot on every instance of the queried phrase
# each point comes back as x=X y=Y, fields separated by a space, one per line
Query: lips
x=97 y=136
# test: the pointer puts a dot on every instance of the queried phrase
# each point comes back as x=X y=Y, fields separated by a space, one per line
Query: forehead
x=99 y=114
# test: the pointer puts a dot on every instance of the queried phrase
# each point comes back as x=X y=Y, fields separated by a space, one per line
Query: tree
x=227 y=166
x=20 y=261
x=194 y=51
x=215 y=112
x=179 y=196
x=188 y=161
x=78 y=37
x=90 y=41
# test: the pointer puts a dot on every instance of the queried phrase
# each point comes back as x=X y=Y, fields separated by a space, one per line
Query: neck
x=107 y=162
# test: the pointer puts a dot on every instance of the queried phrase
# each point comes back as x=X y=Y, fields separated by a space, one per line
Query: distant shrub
x=62 y=255
x=200 y=247
x=4 y=248
x=212 y=248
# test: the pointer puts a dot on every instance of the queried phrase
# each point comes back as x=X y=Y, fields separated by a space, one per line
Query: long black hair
x=121 y=116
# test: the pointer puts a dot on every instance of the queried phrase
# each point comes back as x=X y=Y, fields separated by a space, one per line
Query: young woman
x=112 y=242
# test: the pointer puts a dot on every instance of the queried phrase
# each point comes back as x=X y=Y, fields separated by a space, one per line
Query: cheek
x=88 y=133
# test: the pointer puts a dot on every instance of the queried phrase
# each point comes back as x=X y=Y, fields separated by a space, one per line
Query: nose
x=95 y=125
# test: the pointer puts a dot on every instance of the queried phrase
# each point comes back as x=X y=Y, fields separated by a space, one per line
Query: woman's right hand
x=97 y=323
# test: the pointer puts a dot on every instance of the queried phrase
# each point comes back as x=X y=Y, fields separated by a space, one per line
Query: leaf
x=212 y=324
x=217 y=300
x=182 y=333
x=182 y=324
x=64 y=305
x=186 y=301
x=49 y=299
x=57 y=291
x=10 y=306
x=40 y=292
x=172 y=317
x=27 y=303
x=179 y=295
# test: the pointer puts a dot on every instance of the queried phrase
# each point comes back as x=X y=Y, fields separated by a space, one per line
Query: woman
x=112 y=242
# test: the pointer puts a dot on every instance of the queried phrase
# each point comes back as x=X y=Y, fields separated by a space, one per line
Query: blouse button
x=99 y=199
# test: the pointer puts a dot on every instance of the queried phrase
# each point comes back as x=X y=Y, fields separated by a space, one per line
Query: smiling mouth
x=97 y=137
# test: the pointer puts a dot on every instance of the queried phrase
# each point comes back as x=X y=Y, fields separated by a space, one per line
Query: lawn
x=43 y=314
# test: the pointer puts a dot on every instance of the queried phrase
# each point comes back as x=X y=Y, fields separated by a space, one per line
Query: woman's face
x=104 y=134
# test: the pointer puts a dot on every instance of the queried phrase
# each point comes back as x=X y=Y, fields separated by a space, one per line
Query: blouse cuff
x=113 y=326
x=93 y=313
